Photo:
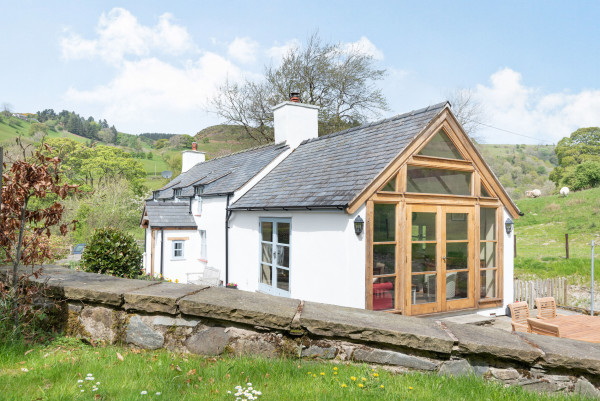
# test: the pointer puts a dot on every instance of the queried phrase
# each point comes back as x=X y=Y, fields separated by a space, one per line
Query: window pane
x=457 y=254
x=457 y=285
x=423 y=257
x=267 y=253
x=283 y=255
x=283 y=233
x=484 y=192
x=390 y=186
x=423 y=289
x=437 y=181
x=487 y=224
x=488 y=283
x=457 y=226
x=384 y=259
x=266 y=274
x=383 y=293
x=384 y=222
x=487 y=255
x=283 y=279
x=267 y=231
x=441 y=146
x=423 y=226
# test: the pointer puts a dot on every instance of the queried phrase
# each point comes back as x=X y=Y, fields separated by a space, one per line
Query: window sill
x=177 y=259
x=203 y=260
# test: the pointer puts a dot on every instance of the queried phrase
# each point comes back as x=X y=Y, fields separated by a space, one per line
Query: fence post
x=567 y=244
x=565 y=287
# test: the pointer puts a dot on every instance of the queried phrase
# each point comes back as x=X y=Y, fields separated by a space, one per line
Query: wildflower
x=95 y=389
x=335 y=373
x=353 y=378
x=361 y=385
x=375 y=374
x=315 y=375
x=410 y=388
x=248 y=384
x=381 y=386
x=89 y=375
x=228 y=392
x=97 y=382
x=309 y=373
x=82 y=391
x=158 y=393
x=24 y=370
x=363 y=379
x=176 y=280
x=344 y=385
x=79 y=381
x=144 y=392
x=335 y=368
x=322 y=373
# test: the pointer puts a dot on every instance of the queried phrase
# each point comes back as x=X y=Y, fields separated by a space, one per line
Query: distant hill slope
x=521 y=168
x=12 y=127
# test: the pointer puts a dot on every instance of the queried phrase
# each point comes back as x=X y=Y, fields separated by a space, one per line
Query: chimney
x=189 y=158
x=295 y=122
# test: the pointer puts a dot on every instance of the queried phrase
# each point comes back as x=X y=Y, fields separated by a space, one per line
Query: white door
x=274 y=264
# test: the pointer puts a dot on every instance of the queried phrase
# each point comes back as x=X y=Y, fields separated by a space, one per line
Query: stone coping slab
x=477 y=340
x=161 y=297
x=88 y=287
x=566 y=353
x=246 y=307
x=375 y=327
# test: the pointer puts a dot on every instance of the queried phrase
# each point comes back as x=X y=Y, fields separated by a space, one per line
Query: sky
x=153 y=66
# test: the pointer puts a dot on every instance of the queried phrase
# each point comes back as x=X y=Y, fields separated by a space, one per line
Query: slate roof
x=331 y=170
x=224 y=174
x=169 y=214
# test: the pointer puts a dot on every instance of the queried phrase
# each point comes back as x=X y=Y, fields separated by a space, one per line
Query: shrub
x=112 y=252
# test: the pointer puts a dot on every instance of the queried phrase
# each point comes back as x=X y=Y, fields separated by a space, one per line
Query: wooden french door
x=440 y=258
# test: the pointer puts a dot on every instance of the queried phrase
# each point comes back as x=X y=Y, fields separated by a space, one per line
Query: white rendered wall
x=176 y=269
x=295 y=122
x=212 y=219
x=327 y=259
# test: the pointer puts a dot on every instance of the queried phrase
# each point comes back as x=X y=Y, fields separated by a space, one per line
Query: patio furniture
x=519 y=312
x=539 y=326
x=575 y=327
x=546 y=308
x=210 y=276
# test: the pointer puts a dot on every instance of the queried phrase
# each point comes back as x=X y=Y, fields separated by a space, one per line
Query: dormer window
x=177 y=193
x=154 y=195
x=198 y=190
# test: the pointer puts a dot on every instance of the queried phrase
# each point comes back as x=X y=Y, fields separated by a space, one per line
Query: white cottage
x=402 y=215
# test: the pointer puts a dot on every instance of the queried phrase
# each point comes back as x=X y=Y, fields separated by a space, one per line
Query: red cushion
x=383 y=296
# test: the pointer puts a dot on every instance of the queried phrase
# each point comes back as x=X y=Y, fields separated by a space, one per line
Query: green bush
x=112 y=252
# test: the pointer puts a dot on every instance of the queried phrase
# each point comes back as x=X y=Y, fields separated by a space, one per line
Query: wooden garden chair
x=519 y=312
x=538 y=326
x=546 y=308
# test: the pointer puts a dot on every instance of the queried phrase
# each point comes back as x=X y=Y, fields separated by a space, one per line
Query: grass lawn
x=56 y=372
x=576 y=269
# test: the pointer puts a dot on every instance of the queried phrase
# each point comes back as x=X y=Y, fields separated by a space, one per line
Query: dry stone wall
x=216 y=321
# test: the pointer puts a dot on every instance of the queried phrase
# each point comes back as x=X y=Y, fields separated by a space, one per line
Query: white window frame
x=272 y=289
x=174 y=250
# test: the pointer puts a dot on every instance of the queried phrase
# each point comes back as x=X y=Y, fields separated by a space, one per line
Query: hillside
x=12 y=127
x=521 y=168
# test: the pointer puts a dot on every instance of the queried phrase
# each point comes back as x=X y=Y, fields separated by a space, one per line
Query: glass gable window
x=390 y=186
x=438 y=181
x=441 y=146
x=484 y=192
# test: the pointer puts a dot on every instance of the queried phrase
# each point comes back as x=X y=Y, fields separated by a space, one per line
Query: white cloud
x=365 y=46
x=512 y=106
x=243 y=50
x=120 y=34
x=150 y=95
x=277 y=52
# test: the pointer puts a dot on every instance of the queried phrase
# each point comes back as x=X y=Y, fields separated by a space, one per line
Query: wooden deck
x=578 y=327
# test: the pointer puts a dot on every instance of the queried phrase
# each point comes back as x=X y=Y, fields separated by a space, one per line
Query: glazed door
x=440 y=254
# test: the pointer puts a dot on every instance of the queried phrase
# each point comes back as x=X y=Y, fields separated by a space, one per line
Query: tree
x=6 y=109
x=468 y=111
x=30 y=193
x=37 y=127
x=581 y=146
x=339 y=79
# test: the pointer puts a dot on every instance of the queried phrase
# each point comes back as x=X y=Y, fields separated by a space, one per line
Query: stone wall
x=215 y=321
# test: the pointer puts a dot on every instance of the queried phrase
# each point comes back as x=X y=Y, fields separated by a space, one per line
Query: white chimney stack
x=295 y=122
x=189 y=158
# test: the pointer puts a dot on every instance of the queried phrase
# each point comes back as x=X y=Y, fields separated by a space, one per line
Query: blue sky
x=149 y=66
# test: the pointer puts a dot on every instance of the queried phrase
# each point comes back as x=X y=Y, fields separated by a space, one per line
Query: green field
x=10 y=128
x=59 y=371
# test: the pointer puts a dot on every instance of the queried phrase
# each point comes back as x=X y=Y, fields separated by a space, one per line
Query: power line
x=505 y=130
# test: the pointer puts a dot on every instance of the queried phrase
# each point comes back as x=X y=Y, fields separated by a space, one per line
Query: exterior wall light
x=359 y=223
x=509 y=225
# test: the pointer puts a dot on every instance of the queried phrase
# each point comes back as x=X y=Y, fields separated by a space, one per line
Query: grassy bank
x=59 y=371
x=576 y=269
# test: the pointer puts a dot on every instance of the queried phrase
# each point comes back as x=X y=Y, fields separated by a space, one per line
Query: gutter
x=266 y=209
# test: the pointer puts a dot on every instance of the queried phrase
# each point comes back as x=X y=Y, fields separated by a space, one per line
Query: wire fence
x=529 y=290
x=556 y=246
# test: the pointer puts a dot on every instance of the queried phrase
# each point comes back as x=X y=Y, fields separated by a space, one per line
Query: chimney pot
x=295 y=97
x=194 y=146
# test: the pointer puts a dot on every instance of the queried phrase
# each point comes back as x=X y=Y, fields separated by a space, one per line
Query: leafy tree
x=30 y=193
x=581 y=146
x=112 y=252
x=37 y=127
x=583 y=176
x=340 y=80
x=181 y=141
x=161 y=143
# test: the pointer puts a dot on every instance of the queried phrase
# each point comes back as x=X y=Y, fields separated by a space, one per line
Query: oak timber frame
x=481 y=175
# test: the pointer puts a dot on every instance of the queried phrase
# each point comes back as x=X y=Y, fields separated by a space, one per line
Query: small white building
x=402 y=215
